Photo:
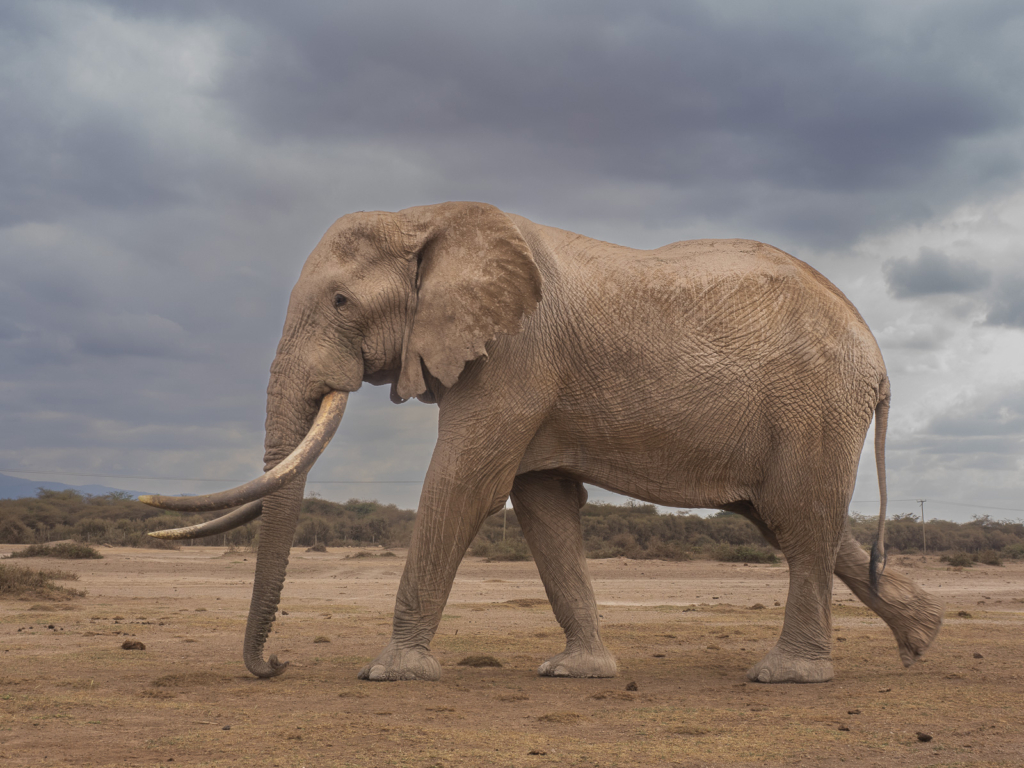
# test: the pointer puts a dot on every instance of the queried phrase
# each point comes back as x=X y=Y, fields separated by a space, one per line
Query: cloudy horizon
x=166 y=170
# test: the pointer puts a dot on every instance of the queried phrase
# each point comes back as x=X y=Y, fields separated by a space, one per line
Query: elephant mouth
x=251 y=494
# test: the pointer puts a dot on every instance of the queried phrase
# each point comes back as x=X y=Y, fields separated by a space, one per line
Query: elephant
x=722 y=374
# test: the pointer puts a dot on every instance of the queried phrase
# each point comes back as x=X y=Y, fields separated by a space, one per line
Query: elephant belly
x=649 y=462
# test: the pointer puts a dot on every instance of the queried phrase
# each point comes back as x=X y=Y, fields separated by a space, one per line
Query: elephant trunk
x=290 y=413
x=280 y=516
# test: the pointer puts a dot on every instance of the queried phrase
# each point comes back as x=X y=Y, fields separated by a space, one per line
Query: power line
x=401 y=482
x=201 y=479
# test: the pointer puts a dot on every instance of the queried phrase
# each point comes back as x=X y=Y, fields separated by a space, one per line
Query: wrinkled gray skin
x=710 y=373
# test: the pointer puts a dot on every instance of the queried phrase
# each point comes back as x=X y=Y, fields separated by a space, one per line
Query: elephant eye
x=340 y=300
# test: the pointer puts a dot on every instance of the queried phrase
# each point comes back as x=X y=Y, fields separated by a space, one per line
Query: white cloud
x=948 y=366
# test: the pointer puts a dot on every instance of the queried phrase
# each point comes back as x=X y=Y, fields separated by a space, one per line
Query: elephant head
x=404 y=299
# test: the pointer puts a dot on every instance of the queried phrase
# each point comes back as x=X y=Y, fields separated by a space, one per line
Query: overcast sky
x=166 y=168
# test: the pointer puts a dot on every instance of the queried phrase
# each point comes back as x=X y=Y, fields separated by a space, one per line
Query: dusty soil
x=683 y=632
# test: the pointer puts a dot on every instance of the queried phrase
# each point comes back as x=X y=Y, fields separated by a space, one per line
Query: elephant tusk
x=233 y=519
x=332 y=408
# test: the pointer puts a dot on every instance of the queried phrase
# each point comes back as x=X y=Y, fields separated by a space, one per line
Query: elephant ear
x=476 y=278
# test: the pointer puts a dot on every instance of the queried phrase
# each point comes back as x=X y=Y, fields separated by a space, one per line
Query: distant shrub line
x=638 y=532
x=118 y=520
x=633 y=530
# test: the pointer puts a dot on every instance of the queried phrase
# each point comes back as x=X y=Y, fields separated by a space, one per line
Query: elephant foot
x=575 y=662
x=396 y=663
x=916 y=630
x=781 y=667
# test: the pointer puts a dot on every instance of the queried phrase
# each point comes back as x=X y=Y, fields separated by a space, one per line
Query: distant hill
x=18 y=488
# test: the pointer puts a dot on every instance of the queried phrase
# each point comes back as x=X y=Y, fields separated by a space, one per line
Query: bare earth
x=683 y=632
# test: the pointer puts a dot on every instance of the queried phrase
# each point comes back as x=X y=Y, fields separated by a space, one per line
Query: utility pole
x=924 y=536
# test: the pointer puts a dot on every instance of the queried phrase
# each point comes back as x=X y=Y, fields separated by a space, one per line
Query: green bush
x=66 y=550
x=988 y=557
x=958 y=560
x=1014 y=552
x=743 y=554
x=14 y=532
x=510 y=550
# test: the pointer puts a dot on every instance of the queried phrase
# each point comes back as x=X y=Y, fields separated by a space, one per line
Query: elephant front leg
x=461 y=489
x=913 y=615
x=548 y=509
x=440 y=540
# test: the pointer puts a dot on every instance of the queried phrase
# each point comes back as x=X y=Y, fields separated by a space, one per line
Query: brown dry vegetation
x=632 y=530
x=684 y=632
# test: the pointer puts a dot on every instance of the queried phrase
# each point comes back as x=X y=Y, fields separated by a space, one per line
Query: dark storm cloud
x=8 y=330
x=933 y=272
x=121 y=333
x=809 y=120
x=824 y=121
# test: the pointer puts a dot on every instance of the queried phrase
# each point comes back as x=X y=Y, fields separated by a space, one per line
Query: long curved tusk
x=332 y=408
x=236 y=518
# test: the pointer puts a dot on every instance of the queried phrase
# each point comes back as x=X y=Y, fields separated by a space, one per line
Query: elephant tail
x=877 y=565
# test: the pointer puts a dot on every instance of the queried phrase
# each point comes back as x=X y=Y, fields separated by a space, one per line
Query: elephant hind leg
x=803 y=653
x=913 y=615
x=548 y=509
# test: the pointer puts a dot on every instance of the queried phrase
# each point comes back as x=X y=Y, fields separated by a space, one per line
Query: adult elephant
x=708 y=373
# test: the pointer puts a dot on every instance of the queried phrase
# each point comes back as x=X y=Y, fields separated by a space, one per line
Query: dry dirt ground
x=683 y=632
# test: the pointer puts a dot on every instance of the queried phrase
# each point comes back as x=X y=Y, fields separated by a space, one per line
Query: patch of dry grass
x=19 y=581
x=189 y=680
x=65 y=550
x=563 y=718
x=358 y=555
x=526 y=602
x=480 y=661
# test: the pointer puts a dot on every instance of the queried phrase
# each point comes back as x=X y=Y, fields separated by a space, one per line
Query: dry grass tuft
x=690 y=730
x=149 y=694
x=66 y=550
x=353 y=694
x=480 y=661
x=527 y=602
x=22 y=582
x=370 y=554
x=565 y=718
x=189 y=680
x=620 y=695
